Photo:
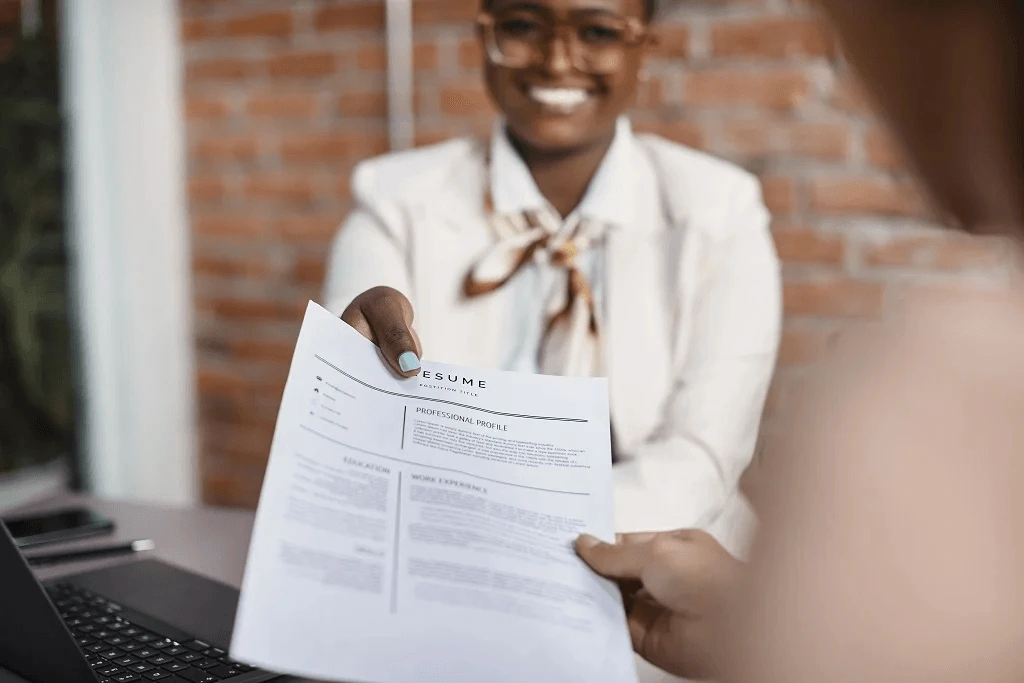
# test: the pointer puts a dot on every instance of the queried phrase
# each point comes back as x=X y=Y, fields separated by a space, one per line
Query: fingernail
x=408 y=362
x=586 y=541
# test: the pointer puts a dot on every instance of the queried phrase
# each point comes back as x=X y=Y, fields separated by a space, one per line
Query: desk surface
x=208 y=541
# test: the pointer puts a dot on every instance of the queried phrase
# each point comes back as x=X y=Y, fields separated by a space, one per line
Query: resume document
x=420 y=530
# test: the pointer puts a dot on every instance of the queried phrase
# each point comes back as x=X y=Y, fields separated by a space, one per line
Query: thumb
x=614 y=561
x=390 y=319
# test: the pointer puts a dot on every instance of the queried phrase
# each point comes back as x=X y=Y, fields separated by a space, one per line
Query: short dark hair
x=650 y=8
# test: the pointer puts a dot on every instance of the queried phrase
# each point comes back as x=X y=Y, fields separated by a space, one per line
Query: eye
x=520 y=27
x=600 y=34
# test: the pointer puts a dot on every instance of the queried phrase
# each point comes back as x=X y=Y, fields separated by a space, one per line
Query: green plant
x=36 y=371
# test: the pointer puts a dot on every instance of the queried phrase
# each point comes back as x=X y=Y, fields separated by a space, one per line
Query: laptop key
x=132 y=631
x=160 y=660
x=145 y=653
x=214 y=652
x=131 y=647
x=224 y=671
x=110 y=654
x=160 y=644
x=110 y=670
x=205 y=663
x=127 y=660
x=97 y=647
x=176 y=650
x=145 y=638
x=116 y=640
x=197 y=676
x=190 y=657
x=175 y=666
x=127 y=677
x=157 y=675
x=141 y=667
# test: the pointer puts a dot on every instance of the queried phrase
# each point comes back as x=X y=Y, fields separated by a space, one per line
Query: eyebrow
x=536 y=7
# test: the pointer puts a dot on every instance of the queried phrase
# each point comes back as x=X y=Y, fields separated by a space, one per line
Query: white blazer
x=693 y=312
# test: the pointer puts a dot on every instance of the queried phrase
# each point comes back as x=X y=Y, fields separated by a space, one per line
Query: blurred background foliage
x=37 y=378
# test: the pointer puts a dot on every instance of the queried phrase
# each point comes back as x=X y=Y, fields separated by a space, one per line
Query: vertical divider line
x=405 y=410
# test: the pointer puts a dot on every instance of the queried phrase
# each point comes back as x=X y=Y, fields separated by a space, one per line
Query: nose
x=559 y=58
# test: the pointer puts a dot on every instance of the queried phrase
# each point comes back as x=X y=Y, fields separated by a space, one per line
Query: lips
x=560 y=99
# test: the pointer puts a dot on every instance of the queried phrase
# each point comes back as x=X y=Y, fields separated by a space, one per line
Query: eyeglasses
x=597 y=43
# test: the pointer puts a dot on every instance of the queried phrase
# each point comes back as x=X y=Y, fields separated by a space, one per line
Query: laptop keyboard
x=121 y=652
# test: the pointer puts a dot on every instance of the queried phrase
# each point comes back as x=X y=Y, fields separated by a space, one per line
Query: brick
x=248 y=442
x=802 y=345
x=282 y=105
x=206 y=107
x=684 y=132
x=283 y=187
x=226 y=148
x=837 y=297
x=883 y=151
x=348 y=16
x=320 y=229
x=302 y=65
x=375 y=57
x=332 y=146
x=369 y=103
x=254 y=309
x=779 y=193
x=260 y=25
x=233 y=265
x=444 y=11
x=460 y=100
x=674 y=41
x=199 y=29
x=309 y=271
x=222 y=70
x=262 y=349
x=775 y=38
x=775 y=89
x=824 y=141
x=471 y=54
x=865 y=196
x=808 y=246
x=226 y=226
x=205 y=188
x=228 y=490
x=936 y=253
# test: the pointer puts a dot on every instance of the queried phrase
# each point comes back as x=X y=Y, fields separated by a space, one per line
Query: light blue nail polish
x=408 y=362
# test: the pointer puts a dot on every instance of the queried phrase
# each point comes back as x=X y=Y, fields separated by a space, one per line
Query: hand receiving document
x=419 y=530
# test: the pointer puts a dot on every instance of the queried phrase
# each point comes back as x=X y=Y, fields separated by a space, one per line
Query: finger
x=641 y=620
x=614 y=561
x=390 y=318
x=354 y=317
x=636 y=537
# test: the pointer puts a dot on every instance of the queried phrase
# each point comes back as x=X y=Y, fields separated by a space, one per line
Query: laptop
x=137 y=622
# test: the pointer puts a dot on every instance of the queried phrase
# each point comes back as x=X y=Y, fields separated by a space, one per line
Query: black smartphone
x=60 y=525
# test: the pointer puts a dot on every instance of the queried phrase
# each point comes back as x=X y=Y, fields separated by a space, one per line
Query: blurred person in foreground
x=891 y=544
x=566 y=244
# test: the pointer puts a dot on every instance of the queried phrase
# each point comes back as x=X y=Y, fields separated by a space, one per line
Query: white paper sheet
x=420 y=530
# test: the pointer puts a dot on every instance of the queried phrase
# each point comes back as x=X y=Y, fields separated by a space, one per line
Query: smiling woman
x=566 y=244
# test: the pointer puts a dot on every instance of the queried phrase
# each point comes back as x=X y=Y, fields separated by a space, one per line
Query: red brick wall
x=283 y=97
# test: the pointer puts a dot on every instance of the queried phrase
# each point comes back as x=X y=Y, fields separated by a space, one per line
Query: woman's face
x=554 y=105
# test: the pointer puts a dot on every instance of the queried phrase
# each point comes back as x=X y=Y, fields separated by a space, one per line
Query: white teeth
x=565 y=99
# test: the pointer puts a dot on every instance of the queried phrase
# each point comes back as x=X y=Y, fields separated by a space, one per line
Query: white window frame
x=129 y=247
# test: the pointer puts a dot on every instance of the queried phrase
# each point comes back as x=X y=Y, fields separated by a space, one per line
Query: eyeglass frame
x=486 y=24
